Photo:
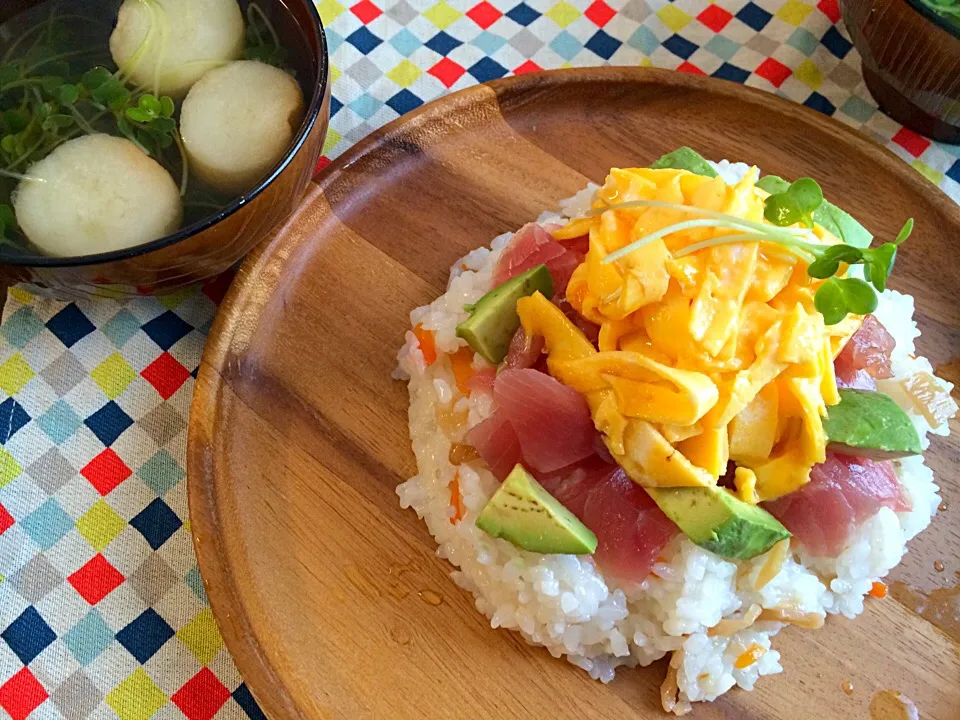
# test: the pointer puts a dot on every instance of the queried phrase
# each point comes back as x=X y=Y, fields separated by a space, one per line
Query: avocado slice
x=685 y=158
x=718 y=521
x=870 y=424
x=828 y=215
x=494 y=320
x=524 y=514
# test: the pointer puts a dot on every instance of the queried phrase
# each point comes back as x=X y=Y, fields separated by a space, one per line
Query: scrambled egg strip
x=715 y=356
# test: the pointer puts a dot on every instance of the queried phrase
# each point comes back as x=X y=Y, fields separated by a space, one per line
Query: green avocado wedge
x=828 y=215
x=718 y=521
x=527 y=516
x=494 y=319
x=870 y=424
x=685 y=158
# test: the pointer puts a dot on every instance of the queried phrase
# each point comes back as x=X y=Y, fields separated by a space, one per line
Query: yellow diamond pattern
x=442 y=15
x=113 y=375
x=14 y=374
x=137 y=697
x=928 y=172
x=405 y=74
x=21 y=296
x=335 y=73
x=333 y=137
x=563 y=14
x=100 y=525
x=202 y=637
x=794 y=12
x=673 y=17
x=809 y=74
x=175 y=299
x=9 y=468
x=329 y=10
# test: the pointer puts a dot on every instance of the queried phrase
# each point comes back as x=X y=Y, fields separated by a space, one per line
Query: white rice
x=564 y=602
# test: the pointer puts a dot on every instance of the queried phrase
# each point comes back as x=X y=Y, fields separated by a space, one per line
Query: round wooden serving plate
x=325 y=591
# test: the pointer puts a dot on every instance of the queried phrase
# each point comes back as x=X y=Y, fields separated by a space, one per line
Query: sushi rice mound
x=566 y=604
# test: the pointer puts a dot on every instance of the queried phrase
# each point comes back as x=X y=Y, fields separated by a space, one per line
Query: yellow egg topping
x=706 y=354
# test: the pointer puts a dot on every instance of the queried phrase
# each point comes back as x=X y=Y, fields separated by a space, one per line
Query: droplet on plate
x=938 y=565
x=942 y=506
x=893 y=705
x=431 y=598
x=847 y=687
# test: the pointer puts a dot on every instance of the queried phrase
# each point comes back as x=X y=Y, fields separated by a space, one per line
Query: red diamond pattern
x=366 y=11
x=599 y=13
x=95 y=580
x=830 y=9
x=321 y=164
x=202 y=696
x=106 y=471
x=911 y=142
x=166 y=375
x=689 y=67
x=217 y=288
x=715 y=18
x=22 y=694
x=447 y=71
x=484 y=14
x=528 y=67
x=6 y=520
x=774 y=71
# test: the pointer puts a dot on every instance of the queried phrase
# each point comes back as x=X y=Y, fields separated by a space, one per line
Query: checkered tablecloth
x=102 y=611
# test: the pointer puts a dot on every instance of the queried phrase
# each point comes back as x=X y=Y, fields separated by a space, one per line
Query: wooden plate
x=324 y=589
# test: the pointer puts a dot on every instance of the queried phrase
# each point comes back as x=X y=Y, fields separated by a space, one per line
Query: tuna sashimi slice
x=631 y=530
x=551 y=420
x=843 y=492
x=532 y=245
x=497 y=443
x=869 y=350
x=524 y=352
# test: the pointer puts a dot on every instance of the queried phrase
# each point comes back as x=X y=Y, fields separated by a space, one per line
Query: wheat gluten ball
x=96 y=194
x=167 y=45
x=238 y=122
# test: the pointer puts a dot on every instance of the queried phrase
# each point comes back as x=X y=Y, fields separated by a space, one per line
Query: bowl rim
x=935 y=18
x=310 y=121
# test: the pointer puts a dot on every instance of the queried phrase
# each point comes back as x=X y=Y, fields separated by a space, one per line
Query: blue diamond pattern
x=108 y=423
x=404 y=42
x=167 y=329
x=366 y=106
x=335 y=106
x=836 y=43
x=566 y=46
x=161 y=473
x=731 y=72
x=245 y=700
x=404 y=101
x=488 y=42
x=12 y=418
x=88 y=638
x=681 y=47
x=755 y=16
x=145 y=636
x=522 y=14
x=59 y=422
x=722 y=47
x=28 y=635
x=47 y=524
x=156 y=522
x=120 y=328
x=21 y=327
x=443 y=43
x=820 y=103
x=363 y=40
x=486 y=69
x=192 y=578
x=70 y=325
x=603 y=44
x=644 y=40
x=954 y=172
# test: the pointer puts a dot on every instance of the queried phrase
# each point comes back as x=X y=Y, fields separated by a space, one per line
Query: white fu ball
x=96 y=194
x=167 y=45
x=238 y=122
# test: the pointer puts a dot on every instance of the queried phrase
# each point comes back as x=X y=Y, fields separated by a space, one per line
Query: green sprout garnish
x=263 y=43
x=838 y=296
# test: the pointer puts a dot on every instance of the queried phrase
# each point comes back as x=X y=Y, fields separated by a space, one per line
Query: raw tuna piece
x=842 y=493
x=497 y=444
x=631 y=530
x=859 y=380
x=532 y=246
x=524 y=352
x=551 y=420
x=482 y=381
x=869 y=349
x=578 y=244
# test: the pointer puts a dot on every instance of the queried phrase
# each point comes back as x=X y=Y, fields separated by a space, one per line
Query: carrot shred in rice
x=878 y=590
x=772 y=565
x=748 y=658
x=793 y=615
x=456 y=500
x=462 y=362
x=427 y=344
x=670 y=689
x=729 y=626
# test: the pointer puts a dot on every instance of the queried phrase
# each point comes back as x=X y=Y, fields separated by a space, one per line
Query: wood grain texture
x=298 y=435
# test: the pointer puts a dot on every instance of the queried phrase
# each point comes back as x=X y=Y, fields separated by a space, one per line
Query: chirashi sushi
x=673 y=417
